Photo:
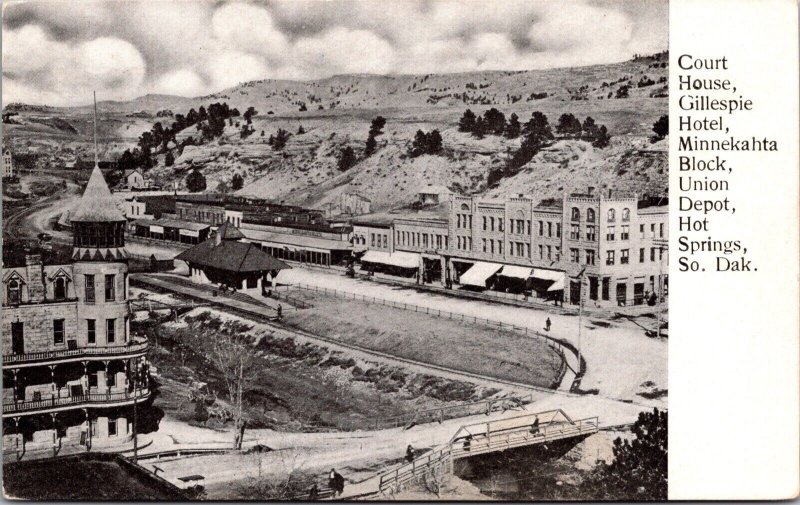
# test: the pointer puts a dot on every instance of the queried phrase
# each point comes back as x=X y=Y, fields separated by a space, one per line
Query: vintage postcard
x=355 y=249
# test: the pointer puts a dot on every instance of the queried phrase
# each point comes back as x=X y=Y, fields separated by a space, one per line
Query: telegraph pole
x=661 y=245
x=580 y=318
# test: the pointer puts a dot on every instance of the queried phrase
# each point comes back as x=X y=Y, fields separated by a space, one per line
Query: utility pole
x=135 y=418
x=580 y=318
x=661 y=245
x=94 y=93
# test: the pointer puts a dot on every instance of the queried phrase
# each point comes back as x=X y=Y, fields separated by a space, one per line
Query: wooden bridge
x=483 y=438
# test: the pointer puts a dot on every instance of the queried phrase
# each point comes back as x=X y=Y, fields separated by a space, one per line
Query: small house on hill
x=134 y=178
x=434 y=195
x=224 y=260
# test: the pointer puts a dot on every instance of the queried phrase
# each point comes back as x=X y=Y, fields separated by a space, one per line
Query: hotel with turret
x=72 y=371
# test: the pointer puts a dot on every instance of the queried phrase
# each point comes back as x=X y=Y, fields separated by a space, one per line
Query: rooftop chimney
x=591 y=190
x=35 y=275
x=609 y=192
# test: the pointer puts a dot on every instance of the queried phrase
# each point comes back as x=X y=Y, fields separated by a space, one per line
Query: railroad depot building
x=226 y=259
x=71 y=369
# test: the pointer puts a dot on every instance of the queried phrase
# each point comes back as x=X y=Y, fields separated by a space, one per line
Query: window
x=576 y=214
x=590 y=233
x=89 y=288
x=527 y=250
x=124 y=286
x=541 y=251
x=558 y=230
x=386 y=241
x=641 y=231
x=549 y=228
x=528 y=227
x=625 y=232
x=60 y=288
x=610 y=232
x=58 y=331
x=652 y=254
x=252 y=282
x=661 y=230
x=641 y=255
x=558 y=253
x=611 y=215
x=491 y=246
x=111 y=331
x=520 y=226
x=112 y=427
x=91 y=335
x=589 y=256
x=511 y=248
x=574 y=255
x=520 y=249
x=626 y=214
x=13 y=292
x=458 y=221
x=652 y=230
x=623 y=256
x=550 y=252
x=111 y=380
x=484 y=223
x=110 y=292
x=609 y=257
x=484 y=245
x=491 y=223
x=541 y=228
x=372 y=239
x=606 y=287
x=499 y=224
x=499 y=247
x=575 y=231
x=425 y=240
x=590 y=215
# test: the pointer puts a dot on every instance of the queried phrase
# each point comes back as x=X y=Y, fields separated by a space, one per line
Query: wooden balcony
x=55 y=404
x=90 y=353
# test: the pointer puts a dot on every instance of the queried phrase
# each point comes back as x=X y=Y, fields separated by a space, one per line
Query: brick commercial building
x=72 y=372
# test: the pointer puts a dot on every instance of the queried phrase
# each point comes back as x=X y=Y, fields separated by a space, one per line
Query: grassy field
x=466 y=346
x=301 y=386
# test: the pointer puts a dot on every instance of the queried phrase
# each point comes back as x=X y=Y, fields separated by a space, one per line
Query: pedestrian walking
x=280 y=311
x=332 y=480
x=409 y=453
x=535 y=426
x=547 y=325
x=467 y=443
x=313 y=493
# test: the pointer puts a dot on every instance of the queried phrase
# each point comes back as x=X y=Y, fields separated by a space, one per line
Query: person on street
x=280 y=311
x=547 y=325
x=409 y=453
x=332 y=480
x=535 y=426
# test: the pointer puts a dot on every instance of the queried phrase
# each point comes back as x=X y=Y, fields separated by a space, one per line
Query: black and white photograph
x=335 y=250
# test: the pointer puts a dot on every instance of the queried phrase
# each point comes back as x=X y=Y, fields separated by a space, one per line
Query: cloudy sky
x=55 y=51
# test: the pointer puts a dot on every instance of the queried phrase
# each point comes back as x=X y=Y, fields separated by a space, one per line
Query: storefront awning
x=156 y=229
x=478 y=273
x=404 y=259
x=548 y=275
x=375 y=257
x=557 y=285
x=189 y=233
x=516 y=272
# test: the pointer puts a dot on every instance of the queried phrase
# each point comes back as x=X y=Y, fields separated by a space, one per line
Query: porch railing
x=83 y=352
x=49 y=403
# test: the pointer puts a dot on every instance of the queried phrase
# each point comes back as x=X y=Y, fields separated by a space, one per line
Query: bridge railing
x=427 y=465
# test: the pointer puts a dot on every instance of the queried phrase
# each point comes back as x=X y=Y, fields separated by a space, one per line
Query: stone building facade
x=71 y=369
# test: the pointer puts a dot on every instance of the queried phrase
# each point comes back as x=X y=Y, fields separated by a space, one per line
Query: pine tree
x=513 y=127
x=237 y=182
x=347 y=158
x=371 y=146
x=661 y=127
x=169 y=159
x=467 y=122
x=195 y=181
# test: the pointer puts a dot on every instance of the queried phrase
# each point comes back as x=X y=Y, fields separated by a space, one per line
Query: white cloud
x=202 y=46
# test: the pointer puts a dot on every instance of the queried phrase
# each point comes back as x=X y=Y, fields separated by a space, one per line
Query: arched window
x=576 y=214
x=60 y=288
x=464 y=206
x=13 y=292
x=590 y=215
x=611 y=215
x=626 y=214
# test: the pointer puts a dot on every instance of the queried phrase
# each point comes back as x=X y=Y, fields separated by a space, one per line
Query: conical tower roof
x=97 y=204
